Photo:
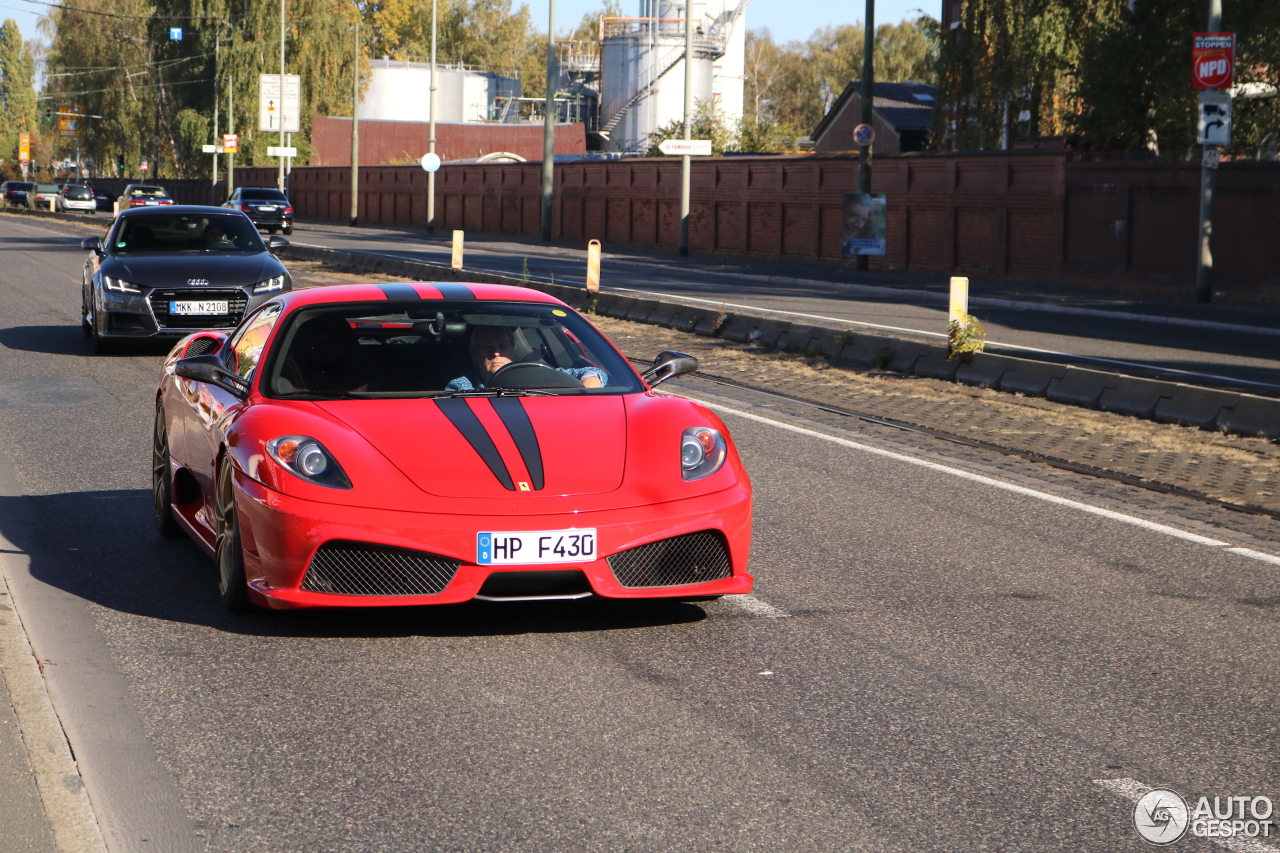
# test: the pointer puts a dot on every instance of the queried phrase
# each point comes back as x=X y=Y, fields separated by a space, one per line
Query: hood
x=497 y=447
x=174 y=269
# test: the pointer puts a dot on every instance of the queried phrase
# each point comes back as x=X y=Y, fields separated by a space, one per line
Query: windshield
x=443 y=349
x=261 y=195
x=186 y=232
x=147 y=192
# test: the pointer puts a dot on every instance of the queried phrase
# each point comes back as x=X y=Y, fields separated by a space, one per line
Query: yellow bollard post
x=959 y=311
x=593 y=267
x=457 y=250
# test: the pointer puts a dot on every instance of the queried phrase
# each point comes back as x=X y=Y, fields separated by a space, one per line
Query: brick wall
x=1030 y=214
x=406 y=141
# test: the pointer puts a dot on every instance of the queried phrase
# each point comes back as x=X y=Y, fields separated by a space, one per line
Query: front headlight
x=307 y=458
x=702 y=452
x=269 y=285
x=120 y=285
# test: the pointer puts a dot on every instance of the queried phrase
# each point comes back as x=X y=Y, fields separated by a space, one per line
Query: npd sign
x=1213 y=60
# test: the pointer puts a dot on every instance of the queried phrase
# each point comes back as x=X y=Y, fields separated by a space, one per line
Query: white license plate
x=265 y=208
x=199 y=307
x=536 y=547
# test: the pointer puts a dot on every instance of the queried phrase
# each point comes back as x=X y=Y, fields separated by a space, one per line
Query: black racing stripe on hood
x=466 y=422
x=453 y=291
x=517 y=422
x=399 y=292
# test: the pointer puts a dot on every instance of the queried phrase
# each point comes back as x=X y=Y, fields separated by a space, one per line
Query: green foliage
x=708 y=122
x=793 y=85
x=965 y=336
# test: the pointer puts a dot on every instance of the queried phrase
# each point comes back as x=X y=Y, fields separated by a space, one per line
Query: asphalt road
x=942 y=653
x=1198 y=355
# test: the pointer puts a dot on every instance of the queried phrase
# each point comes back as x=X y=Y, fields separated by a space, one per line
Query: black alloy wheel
x=229 y=553
x=162 y=479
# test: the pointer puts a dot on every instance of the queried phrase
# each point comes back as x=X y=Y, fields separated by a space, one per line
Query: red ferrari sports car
x=403 y=444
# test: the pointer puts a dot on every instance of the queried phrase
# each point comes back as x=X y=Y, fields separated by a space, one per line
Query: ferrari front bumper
x=281 y=535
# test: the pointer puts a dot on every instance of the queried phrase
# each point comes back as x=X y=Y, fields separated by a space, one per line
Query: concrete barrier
x=1194 y=406
x=937 y=364
x=1137 y=397
x=984 y=368
x=1080 y=387
x=1252 y=416
x=1031 y=377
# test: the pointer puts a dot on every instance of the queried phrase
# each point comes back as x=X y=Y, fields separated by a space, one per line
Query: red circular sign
x=1212 y=69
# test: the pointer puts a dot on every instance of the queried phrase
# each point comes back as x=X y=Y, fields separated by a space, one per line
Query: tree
x=707 y=122
x=17 y=91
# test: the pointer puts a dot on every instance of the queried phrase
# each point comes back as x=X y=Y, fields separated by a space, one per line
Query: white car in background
x=76 y=197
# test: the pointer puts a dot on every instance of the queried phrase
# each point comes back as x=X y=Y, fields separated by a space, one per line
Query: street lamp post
x=1204 y=258
x=355 y=130
x=868 y=107
x=686 y=162
x=549 y=127
x=280 y=174
x=431 y=133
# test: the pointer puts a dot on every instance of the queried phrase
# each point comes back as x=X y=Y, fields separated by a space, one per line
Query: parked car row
x=65 y=197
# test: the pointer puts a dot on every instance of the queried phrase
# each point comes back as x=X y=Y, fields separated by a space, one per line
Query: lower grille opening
x=679 y=561
x=127 y=323
x=363 y=568
x=559 y=582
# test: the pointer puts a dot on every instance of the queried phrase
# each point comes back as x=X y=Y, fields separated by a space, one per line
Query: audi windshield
x=186 y=232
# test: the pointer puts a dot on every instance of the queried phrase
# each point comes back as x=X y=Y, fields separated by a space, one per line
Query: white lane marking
x=756 y=607
x=1257 y=555
x=1132 y=790
x=978 y=478
x=1008 y=487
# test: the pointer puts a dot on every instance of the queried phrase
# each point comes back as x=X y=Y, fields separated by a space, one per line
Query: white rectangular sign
x=692 y=147
x=273 y=109
x=281 y=151
x=1214 y=127
x=210 y=149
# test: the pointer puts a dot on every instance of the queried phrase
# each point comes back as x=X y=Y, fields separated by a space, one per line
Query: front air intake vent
x=679 y=561
x=363 y=568
x=200 y=346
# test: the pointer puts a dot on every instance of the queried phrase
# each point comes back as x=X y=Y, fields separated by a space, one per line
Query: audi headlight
x=119 y=285
x=269 y=285
x=308 y=459
x=702 y=452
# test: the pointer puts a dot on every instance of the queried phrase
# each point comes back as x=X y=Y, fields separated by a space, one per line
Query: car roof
x=171 y=209
x=408 y=291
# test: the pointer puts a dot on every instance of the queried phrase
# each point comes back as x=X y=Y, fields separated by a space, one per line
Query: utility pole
x=868 y=107
x=431 y=133
x=1204 y=259
x=355 y=130
x=686 y=162
x=549 y=127
x=280 y=175
x=217 y=140
x=231 y=128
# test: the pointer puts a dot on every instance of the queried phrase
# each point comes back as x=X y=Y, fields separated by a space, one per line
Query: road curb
x=62 y=792
x=1151 y=399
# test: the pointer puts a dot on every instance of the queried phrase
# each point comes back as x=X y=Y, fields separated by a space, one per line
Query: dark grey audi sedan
x=165 y=272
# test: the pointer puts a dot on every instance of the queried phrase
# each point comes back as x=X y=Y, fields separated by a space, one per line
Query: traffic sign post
x=277 y=112
x=686 y=147
x=230 y=143
x=863 y=135
x=1214 y=126
x=1213 y=60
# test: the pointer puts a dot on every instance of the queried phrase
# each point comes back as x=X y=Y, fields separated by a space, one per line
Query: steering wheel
x=531 y=374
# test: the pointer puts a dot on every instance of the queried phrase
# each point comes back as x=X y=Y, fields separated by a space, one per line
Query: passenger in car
x=493 y=348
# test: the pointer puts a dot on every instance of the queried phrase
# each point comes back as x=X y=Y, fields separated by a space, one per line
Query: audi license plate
x=535 y=547
x=199 y=307
x=266 y=208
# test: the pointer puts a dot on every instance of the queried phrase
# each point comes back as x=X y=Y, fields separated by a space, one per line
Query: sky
x=787 y=19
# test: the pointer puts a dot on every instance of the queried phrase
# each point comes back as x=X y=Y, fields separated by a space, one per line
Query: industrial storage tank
x=400 y=91
x=642 y=68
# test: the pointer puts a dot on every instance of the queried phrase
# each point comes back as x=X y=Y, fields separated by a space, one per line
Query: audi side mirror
x=668 y=365
x=91 y=244
x=274 y=242
x=210 y=369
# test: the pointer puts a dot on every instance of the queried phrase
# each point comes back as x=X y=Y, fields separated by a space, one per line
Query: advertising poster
x=864 y=224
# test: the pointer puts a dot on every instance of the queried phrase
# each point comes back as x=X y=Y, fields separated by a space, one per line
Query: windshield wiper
x=326 y=395
x=490 y=392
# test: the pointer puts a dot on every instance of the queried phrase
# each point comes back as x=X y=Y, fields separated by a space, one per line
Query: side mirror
x=209 y=368
x=91 y=244
x=274 y=242
x=668 y=365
